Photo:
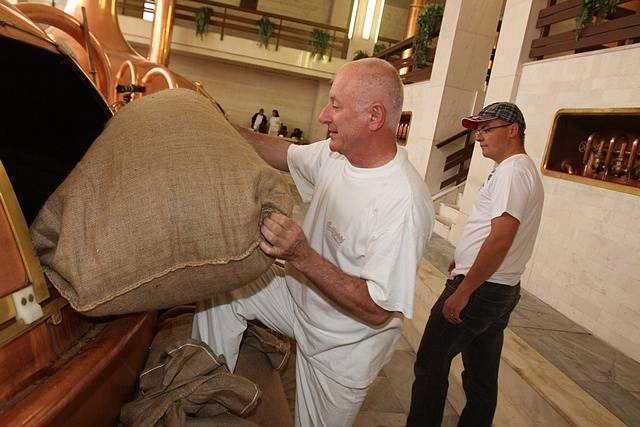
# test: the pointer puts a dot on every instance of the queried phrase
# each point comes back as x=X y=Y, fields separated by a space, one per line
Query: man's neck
x=375 y=155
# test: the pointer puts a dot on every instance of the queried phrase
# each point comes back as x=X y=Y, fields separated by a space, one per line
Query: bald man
x=350 y=270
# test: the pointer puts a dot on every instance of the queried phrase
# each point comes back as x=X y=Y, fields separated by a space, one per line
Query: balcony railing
x=399 y=55
x=459 y=158
x=620 y=28
x=237 y=21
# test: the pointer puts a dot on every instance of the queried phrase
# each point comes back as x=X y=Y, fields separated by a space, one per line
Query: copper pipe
x=632 y=156
x=160 y=44
x=103 y=20
x=610 y=150
x=588 y=149
x=595 y=166
x=567 y=166
x=617 y=168
x=159 y=71
x=411 y=26
x=85 y=35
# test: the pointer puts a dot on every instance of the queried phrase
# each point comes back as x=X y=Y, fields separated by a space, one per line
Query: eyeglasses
x=483 y=132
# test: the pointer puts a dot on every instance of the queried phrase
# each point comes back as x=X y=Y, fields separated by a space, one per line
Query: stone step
x=448 y=213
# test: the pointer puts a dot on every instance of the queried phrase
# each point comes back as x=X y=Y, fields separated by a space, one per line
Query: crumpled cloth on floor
x=189 y=380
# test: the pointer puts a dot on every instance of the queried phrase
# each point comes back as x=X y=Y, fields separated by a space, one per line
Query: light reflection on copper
x=632 y=156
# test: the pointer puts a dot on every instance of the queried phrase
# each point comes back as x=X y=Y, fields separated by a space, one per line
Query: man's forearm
x=272 y=150
x=349 y=292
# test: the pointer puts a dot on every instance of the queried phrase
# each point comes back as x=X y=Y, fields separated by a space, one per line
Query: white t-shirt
x=274 y=125
x=515 y=188
x=258 y=121
x=373 y=224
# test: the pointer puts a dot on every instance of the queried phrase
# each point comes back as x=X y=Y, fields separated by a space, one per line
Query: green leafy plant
x=265 y=31
x=203 y=15
x=428 y=23
x=379 y=47
x=593 y=11
x=360 y=54
x=319 y=42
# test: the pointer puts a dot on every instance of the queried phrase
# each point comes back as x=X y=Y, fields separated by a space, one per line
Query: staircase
x=447 y=204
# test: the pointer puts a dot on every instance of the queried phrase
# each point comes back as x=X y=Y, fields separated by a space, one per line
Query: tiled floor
x=387 y=402
x=604 y=373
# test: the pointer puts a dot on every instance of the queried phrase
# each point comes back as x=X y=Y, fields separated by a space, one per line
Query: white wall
x=394 y=21
x=586 y=263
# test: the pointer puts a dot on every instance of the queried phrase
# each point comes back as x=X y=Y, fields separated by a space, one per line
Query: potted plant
x=428 y=24
x=265 y=31
x=202 y=18
x=319 y=42
x=378 y=47
x=593 y=10
x=360 y=54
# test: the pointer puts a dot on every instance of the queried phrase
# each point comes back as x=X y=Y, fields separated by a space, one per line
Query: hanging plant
x=319 y=42
x=593 y=12
x=202 y=18
x=360 y=54
x=428 y=23
x=265 y=31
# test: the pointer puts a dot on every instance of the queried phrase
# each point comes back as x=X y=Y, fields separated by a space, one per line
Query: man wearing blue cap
x=470 y=315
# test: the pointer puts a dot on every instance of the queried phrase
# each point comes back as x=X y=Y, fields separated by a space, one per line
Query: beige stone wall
x=586 y=260
x=393 y=23
x=316 y=11
x=241 y=90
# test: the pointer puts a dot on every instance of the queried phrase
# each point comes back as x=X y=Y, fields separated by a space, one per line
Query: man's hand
x=454 y=305
x=284 y=238
x=452 y=265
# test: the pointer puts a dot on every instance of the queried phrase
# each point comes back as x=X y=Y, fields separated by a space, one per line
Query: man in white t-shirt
x=350 y=269
x=473 y=310
x=257 y=121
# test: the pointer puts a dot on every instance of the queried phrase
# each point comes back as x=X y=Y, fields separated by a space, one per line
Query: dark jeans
x=479 y=337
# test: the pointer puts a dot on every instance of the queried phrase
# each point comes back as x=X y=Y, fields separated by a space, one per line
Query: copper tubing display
x=116 y=61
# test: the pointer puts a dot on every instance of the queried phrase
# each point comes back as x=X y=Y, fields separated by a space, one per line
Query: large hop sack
x=163 y=209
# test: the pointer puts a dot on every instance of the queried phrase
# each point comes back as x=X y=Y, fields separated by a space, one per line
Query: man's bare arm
x=490 y=256
x=273 y=150
x=286 y=240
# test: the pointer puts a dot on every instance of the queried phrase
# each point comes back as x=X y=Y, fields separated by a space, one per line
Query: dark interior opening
x=51 y=115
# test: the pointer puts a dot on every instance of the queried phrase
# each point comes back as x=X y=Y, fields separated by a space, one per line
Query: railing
x=620 y=28
x=458 y=158
x=237 y=21
x=399 y=55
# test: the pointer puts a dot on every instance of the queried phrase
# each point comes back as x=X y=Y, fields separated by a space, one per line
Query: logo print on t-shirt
x=334 y=233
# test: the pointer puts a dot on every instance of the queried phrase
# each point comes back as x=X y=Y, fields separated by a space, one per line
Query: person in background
x=350 y=270
x=258 y=121
x=474 y=308
x=274 y=123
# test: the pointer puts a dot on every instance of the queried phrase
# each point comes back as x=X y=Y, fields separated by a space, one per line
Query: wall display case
x=597 y=147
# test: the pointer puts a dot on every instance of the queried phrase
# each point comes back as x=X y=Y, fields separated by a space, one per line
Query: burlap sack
x=163 y=209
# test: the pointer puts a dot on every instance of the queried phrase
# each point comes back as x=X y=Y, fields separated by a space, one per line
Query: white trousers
x=221 y=321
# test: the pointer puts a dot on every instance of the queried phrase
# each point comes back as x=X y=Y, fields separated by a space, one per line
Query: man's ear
x=377 y=116
x=514 y=130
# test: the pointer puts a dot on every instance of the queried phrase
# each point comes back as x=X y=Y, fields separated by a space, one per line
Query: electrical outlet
x=27 y=308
